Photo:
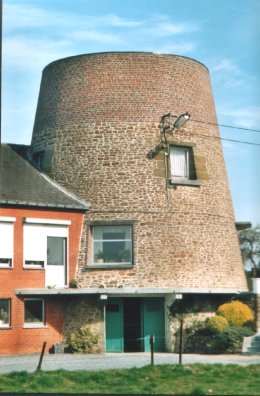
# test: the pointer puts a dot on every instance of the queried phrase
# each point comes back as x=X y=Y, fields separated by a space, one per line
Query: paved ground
x=113 y=361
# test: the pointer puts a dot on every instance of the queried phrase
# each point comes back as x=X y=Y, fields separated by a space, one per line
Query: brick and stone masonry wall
x=99 y=113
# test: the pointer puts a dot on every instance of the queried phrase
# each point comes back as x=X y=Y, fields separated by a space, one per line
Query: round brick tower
x=98 y=115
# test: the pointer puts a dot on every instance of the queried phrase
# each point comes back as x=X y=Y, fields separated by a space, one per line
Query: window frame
x=7 y=325
x=115 y=264
x=8 y=262
x=44 y=228
x=191 y=178
x=35 y=324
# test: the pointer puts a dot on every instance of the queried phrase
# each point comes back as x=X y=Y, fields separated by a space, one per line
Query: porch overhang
x=124 y=291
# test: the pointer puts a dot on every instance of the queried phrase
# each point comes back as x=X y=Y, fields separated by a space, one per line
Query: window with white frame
x=6 y=241
x=180 y=162
x=35 y=245
x=44 y=243
x=5 y=312
x=112 y=244
x=34 y=312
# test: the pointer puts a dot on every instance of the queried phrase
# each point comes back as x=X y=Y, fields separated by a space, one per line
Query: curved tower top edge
x=104 y=53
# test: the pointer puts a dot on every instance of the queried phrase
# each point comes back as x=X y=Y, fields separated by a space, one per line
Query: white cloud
x=246 y=117
x=29 y=53
x=23 y=17
x=94 y=35
x=181 y=47
x=227 y=75
x=169 y=29
x=17 y=16
x=34 y=36
x=233 y=149
x=225 y=65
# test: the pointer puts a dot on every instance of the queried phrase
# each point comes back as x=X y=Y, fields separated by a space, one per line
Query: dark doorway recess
x=133 y=328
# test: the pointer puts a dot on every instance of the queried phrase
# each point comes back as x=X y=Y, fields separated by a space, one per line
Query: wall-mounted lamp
x=169 y=122
x=167 y=125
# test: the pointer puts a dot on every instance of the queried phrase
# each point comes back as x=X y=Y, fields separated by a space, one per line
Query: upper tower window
x=38 y=159
x=42 y=158
x=182 y=169
x=180 y=160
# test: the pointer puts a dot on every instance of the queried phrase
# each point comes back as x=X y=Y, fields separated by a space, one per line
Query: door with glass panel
x=56 y=268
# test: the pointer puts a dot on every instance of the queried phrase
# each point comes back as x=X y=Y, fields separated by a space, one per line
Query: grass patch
x=195 y=379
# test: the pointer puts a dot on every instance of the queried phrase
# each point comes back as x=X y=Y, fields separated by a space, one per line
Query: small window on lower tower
x=112 y=244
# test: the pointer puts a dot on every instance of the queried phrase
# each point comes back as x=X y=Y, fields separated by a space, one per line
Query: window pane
x=6 y=244
x=112 y=244
x=33 y=311
x=4 y=312
x=112 y=232
x=34 y=243
x=34 y=263
x=179 y=162
x=56 y=250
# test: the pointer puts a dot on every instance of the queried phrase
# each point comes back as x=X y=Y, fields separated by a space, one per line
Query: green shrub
x=217 y=324
x=233 y=337
x=197 y=327
x=83 y=341
x=226 y=341
x=236 y=313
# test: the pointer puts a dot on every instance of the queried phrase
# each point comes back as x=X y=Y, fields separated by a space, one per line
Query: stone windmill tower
x=161 y=219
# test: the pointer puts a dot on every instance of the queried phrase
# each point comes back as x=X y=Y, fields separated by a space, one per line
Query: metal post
x=41 y=357
x=152 y=349
x=181 y=340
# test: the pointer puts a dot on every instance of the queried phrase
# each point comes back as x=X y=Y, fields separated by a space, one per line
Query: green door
x=114 y=326
x=154 y=323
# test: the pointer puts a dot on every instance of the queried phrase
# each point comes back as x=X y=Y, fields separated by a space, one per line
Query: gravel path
x=113 y=361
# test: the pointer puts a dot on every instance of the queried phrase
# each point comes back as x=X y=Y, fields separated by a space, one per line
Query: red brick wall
x=24 y=340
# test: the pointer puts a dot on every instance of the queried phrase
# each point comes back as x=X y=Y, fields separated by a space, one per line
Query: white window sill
x=34 y=326
x=4 y=327
x=6 y=266
x=110 y=265
x=33 y=267
x=185 y=182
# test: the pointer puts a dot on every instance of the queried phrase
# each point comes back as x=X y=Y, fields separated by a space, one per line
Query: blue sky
x=222 y=34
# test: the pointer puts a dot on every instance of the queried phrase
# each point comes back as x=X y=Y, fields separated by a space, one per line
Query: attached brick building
x=40 y=229
x=161 y=223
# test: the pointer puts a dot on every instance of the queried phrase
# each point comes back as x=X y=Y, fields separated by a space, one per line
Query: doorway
x=131 y=321
x=133 y=325
x=56 y=266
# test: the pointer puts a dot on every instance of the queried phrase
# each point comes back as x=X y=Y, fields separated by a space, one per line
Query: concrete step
x=253 y=349
x=251 y=345
x=255 y=343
